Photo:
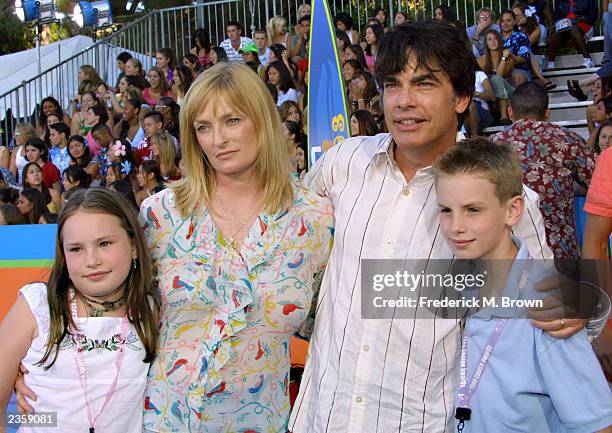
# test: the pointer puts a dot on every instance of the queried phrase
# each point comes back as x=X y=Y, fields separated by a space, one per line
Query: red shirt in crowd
x=50 y=174
x=599 y=197
x=550 y=157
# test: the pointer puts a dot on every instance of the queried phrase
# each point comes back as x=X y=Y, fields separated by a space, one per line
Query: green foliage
x=12 y=31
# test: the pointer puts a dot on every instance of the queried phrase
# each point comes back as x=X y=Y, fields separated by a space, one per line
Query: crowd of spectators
x=125 y=135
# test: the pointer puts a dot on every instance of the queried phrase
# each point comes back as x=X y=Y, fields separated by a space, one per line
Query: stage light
x=93 y=14
x=42 y=11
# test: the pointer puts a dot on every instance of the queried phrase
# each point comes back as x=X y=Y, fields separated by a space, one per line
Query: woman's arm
x=488 y=94
x=13 y=163
x=75 y=124
x=17 y=331
x=596 y=234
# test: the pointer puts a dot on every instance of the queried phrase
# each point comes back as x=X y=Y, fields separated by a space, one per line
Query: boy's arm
x=577 y=387
x=16 y=334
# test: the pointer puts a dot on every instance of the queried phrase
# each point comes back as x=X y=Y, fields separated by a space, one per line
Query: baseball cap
x=249 y=48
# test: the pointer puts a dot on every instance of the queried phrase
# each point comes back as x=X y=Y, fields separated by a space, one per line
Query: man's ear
x=462 y=103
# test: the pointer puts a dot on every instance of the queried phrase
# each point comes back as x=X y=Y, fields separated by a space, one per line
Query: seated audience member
x=80 y=123
x=47 y=106
x=58 y=153
x=104 y=137
x=571 y=20
x=478 y=185
x=149 y=179
x=192 y=62
x=234 y=41
x=348 y=70
x=8 y=195
x=278 y=33
x=373 y=35
x=165 y=60
x=344 y=23
x=153 y=123
x=74 y=177
x=97 y=114
x=251 y=58
x=170 y=112
x=134 y=68
x=280 y=77
x=497 y=67
x=479 y=116
x=6 y=178
x=17 y=159
x=485 y=20
x=218 y=54
x=200 y=47
x=603 y=139
x=517 y=49
x=298 y=41
x=32 y=178
x=36 y=151
x=261 y=41
x=164 y=152
x=128 y=128
x=355 y=52
x=122 y=58
x=181 y=82
x=81 y=156
x=551 y=157
x=10 y=215
x=363 y=122
x=530 y=27
x=363 y=93
x=401 y=17
x=31 y=204
x=159 y=86
x=48 y=218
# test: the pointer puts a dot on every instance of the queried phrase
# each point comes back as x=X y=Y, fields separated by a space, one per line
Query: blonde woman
x=277 y=32
x=164 y=151
x=18 y=160
x=237 y=245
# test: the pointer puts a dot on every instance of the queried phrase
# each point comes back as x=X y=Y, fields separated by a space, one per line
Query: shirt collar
x=384 y=155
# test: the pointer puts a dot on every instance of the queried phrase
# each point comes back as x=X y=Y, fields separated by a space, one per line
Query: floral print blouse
x=227 y=316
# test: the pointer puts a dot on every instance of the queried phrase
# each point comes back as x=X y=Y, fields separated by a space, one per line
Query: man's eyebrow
x=424 y=77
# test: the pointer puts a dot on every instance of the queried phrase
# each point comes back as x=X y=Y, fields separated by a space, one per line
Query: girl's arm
x=17 y=331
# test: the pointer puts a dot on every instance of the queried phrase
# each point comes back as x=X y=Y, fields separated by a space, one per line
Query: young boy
x=531 y=382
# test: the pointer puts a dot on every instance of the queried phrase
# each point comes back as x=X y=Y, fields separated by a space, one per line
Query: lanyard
x=81 y=365
x=465 y=392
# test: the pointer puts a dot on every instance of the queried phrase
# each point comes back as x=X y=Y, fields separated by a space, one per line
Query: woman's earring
x=134 y=265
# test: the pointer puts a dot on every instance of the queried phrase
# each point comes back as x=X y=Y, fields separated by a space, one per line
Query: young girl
x=149 y=179
x=165 y=154
x=36 y=151
x=31 y=204
x=33 y=178
x=159 y=86
x=86 y=337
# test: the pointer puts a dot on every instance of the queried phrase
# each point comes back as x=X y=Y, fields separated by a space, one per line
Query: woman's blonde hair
x=276 y=22
x=167 y=153
x=243 y=91
x=92 y=75
x=26 y=130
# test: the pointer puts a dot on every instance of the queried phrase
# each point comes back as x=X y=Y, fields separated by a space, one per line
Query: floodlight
x=36 y=10
x=93 y=14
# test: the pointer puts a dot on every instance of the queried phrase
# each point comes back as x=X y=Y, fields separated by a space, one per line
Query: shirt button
x=406 y=190
x=358 y=399
x=366 y=348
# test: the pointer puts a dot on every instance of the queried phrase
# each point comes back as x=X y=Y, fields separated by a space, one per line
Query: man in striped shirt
x=392 y=374
x=234 y=41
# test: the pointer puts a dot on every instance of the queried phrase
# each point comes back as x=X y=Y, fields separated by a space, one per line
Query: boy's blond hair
x=496 y=162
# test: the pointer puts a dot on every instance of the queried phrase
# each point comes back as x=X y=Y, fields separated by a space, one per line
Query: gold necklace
x=232 y=241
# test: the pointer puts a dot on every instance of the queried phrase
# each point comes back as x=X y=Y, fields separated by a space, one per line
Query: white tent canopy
x=60 y=82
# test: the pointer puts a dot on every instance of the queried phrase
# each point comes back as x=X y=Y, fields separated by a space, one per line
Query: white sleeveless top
x=59 y=390
x=20 y=163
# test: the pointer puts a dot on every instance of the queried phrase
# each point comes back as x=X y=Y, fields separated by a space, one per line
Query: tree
x=12 y=30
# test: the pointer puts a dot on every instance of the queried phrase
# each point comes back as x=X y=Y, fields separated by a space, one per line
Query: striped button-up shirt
x=382 y=375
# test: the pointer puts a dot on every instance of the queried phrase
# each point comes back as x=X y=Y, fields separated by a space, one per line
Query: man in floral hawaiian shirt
x=551 y=157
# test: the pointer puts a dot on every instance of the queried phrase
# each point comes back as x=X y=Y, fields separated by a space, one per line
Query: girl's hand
x=22 y=391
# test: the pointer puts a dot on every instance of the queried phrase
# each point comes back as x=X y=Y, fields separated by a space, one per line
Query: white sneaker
x=587 y=63
x=551 y=66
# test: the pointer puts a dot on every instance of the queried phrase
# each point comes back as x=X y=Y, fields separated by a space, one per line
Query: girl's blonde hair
x=243 y=91
x=141 y=312
x=167 y=153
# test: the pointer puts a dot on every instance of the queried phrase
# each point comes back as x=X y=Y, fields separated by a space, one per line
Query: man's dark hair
x=436 y=47
x=124 y=56
x=235 y=24
x=156 y=115
x=529 y=100
x=303 y=18
x=61 y=128
x=101 y=128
